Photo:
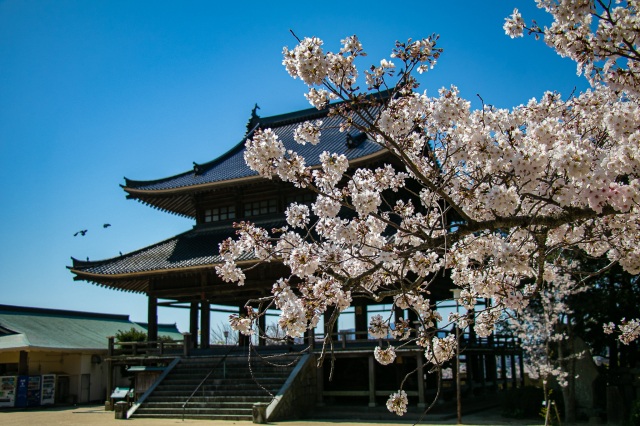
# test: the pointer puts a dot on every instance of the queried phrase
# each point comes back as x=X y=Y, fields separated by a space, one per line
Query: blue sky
x=93 y=91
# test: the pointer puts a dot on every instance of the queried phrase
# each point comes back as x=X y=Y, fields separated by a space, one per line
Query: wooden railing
x=349 y=338
x=150 y=348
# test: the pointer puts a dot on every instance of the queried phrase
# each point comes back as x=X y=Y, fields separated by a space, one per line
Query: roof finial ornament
x=254 y=119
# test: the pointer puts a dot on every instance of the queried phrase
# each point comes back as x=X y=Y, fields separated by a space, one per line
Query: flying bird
x=106 y=225
x=81 y=232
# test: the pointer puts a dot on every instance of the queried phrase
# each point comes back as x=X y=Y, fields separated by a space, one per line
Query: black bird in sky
x=82 y=232
x=106 y=225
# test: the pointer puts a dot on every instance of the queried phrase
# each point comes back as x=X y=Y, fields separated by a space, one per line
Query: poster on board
x=48 y=389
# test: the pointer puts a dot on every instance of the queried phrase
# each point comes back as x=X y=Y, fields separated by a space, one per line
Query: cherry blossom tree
x=494 y=197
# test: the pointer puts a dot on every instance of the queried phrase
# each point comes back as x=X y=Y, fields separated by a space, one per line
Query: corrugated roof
x=165 y=330
x=53 y=329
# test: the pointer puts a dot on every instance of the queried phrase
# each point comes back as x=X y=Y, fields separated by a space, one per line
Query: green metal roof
x=23 y=328
x=169 y=330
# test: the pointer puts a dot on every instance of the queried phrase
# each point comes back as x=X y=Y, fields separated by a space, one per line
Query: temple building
x=180 y=271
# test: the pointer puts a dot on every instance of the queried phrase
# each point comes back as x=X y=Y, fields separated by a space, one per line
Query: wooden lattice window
x=306 y=198
x=219 y=213
x=255 y=208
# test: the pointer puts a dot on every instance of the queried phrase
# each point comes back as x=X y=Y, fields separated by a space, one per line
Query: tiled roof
x=192 y=249
x=165 y=193
x=231 y=165
x=53 y=329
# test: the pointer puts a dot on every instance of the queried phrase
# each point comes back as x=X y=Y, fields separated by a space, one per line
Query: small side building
x=68 y=347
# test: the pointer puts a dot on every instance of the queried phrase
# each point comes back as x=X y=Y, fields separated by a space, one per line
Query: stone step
x=193 y=416
x=237 y=373
x=228 y=394
x=245 y=374
x=225 y=399
x=231 y=370
x=210 y=404
x=212 y=381
x=217 y=393
x=197 y=411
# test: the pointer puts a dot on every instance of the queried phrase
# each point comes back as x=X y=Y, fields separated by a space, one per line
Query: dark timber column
x=521 y=365
x=514 y=379
x=327 y=321
x=193 y=323
x=362 y=326
x=262 y=326
x=372 y=381
x=23 y=364
x=320 y=386
x=205 y=322
x=152 y=320
x=503 y=368
x=242 y=339
x=420 y=361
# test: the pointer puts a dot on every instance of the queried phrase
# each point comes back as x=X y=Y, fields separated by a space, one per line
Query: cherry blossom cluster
x=496 y=198
x=541 y=329
x=397 y=403
x=384 y=356
x=601 y=37
x=629 y=330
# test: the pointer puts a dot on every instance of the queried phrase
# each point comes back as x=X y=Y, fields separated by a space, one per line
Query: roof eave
x=54 y=349
x=135 y=193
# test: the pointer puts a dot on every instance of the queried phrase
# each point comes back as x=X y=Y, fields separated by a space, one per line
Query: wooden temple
x=180 y=271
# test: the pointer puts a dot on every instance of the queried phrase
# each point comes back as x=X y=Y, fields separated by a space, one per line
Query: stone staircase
x=228 y=394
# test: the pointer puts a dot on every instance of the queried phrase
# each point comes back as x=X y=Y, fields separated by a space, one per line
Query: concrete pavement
x=95 y=415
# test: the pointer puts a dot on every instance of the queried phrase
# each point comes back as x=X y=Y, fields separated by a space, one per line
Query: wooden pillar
x=521 y=365
x=503 y=369
x=193 y=323
x=397 y=314
x=152 y=319
x=514 y=379
x=361 y=323
x=491 y=367
x=420 y=372
x=187 y=344
x=242 y=339
x=262 y=330
x=482 y=370
x=372 y=381
x=108 y=402
x=310 y=338
x=327 y=320
x=320 y=385
x=469 y=363
x=205 y=322
x=23 y=364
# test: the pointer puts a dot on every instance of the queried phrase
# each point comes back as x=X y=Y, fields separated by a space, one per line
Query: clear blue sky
x=93 y=91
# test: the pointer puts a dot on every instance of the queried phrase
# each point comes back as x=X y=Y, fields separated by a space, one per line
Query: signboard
x=48 y=389
x=21 y=391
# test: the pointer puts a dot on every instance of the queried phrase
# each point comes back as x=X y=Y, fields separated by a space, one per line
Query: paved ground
x=94 y=415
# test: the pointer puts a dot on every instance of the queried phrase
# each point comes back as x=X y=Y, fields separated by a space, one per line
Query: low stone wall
x=298 y=395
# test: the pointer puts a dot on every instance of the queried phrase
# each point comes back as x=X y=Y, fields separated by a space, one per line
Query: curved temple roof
x=196 y=249
x=173 y=193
